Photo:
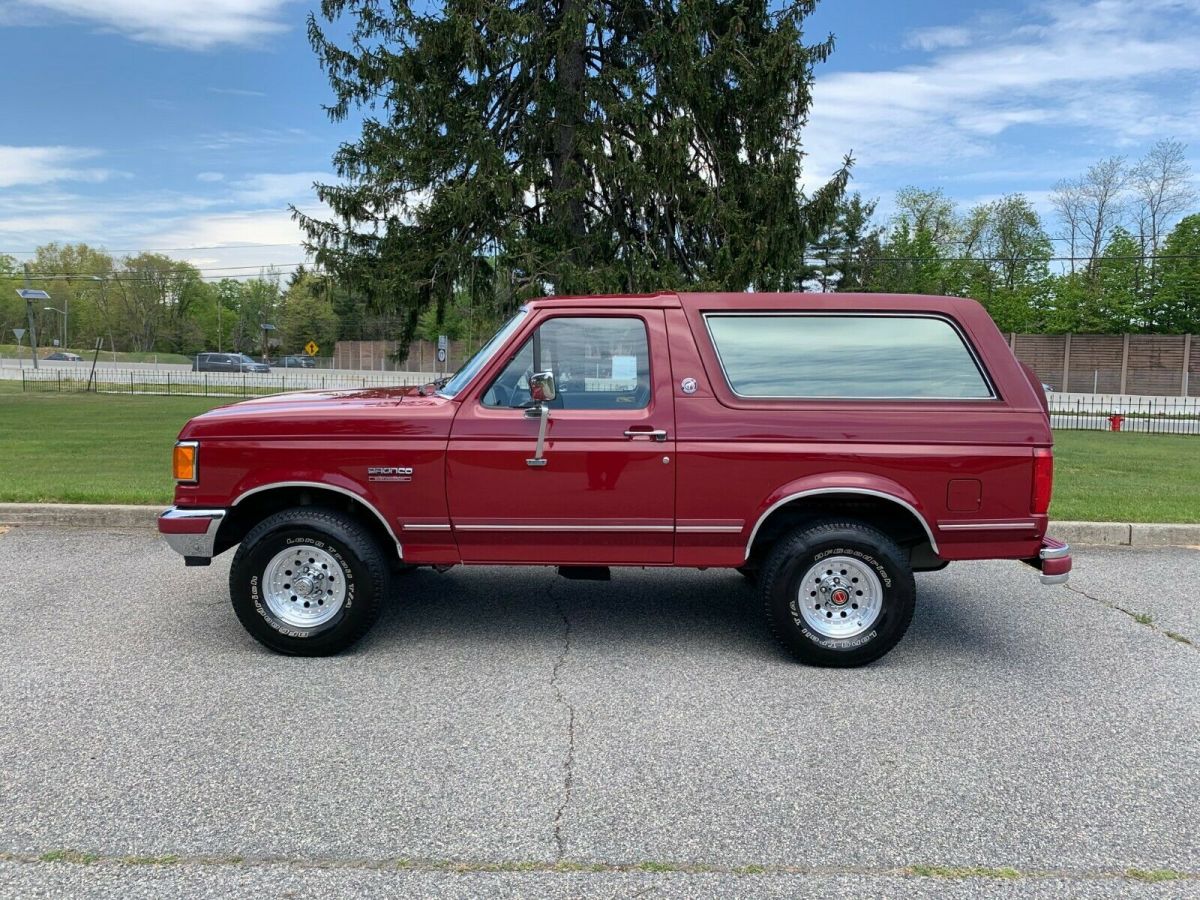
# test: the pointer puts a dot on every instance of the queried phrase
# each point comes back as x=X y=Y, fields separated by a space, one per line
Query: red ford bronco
x=826 y=446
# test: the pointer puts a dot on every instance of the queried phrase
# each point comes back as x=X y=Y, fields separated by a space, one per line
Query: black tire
x=750 y=573
x=350 y=545
x=799 y=551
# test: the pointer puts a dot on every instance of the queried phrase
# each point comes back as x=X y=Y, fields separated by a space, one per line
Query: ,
x=825 y=446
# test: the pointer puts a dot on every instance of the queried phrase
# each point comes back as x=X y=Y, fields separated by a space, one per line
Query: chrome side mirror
x=541 y=387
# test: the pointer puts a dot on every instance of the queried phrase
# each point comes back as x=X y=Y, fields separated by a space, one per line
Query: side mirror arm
x=542 y=413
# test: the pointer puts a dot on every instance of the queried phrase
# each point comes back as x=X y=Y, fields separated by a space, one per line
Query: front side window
x=597 y=362
x=846 y=357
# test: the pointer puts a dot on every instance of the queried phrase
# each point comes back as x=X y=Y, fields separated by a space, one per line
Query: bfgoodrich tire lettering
x=338 y=544
x=844 y=570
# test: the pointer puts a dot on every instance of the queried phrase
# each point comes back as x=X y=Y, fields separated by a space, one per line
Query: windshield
x=464 y=375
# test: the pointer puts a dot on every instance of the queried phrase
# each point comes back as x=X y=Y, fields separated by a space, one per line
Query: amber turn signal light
x=184 y=461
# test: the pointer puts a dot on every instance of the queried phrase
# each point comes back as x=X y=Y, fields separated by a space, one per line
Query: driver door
x=604 y=492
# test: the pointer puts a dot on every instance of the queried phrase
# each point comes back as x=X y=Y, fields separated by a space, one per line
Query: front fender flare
x=342 y=486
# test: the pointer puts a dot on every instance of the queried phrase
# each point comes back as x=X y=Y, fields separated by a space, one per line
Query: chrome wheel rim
x=304 y=586
x=840 y=597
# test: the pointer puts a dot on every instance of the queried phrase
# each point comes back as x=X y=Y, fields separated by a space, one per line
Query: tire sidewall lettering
x=850 y=643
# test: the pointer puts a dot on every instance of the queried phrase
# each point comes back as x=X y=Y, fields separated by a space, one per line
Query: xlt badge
x=389 y=473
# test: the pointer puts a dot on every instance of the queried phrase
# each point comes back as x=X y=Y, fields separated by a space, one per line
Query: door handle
x=657 y=434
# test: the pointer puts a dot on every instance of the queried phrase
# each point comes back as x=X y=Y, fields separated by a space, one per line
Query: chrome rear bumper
x=1054 y=560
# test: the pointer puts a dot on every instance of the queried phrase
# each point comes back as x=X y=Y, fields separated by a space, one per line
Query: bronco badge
x=389 y=473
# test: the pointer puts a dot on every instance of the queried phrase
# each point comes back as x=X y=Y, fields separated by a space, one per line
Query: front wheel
x=838 y=593
x=307 y=581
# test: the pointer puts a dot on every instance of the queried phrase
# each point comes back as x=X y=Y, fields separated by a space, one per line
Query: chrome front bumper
x=191 y=533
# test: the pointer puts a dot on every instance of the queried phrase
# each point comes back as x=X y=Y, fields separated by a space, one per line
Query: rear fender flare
x=840 y=483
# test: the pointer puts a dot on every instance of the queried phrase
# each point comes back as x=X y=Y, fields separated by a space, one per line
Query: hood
x=323 y=398
x=366 y=412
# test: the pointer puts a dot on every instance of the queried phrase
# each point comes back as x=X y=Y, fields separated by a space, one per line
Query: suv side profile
x=227 y=362
x=824 y=446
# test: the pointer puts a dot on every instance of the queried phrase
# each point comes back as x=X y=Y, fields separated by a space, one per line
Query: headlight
x=185 y=461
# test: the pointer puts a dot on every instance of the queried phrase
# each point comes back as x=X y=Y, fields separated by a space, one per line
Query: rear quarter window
x=862 y=357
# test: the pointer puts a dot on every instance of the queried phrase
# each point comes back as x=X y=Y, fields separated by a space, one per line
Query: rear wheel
x=307 y=581
x=838 y=593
